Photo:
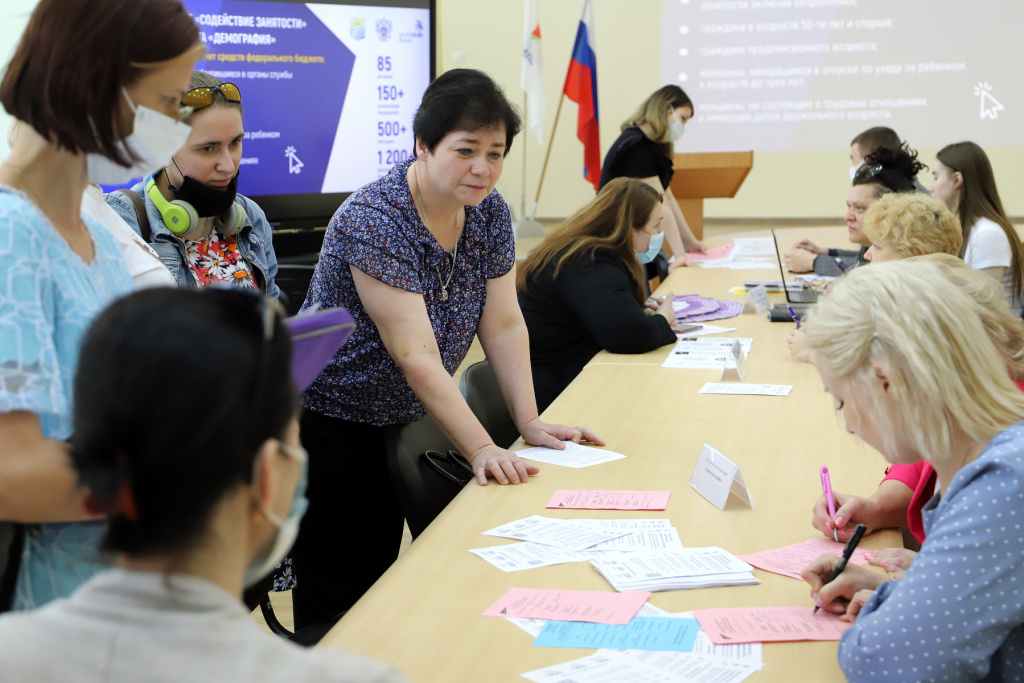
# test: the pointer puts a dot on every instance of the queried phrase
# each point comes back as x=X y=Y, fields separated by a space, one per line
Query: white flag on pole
x=532 y=78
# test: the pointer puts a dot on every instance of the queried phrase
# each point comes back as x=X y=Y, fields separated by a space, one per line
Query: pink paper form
x=716 y=253
x=733 y=625
x=609 y=500
x=598 y=607
x=792 y=559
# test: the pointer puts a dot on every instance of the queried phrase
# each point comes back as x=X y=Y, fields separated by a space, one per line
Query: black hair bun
x=899 y=168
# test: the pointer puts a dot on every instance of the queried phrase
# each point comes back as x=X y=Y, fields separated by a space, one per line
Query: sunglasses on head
x=197 y=98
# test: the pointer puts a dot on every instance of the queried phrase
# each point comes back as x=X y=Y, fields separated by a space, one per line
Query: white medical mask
x=287 y=529
x=854 y=169
x=652 y=249
x=154 y=139
x=675 y=130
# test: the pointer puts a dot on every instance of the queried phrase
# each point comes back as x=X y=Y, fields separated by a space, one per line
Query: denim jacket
x=254 y=241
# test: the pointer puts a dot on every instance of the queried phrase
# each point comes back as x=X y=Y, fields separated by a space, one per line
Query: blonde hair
x=1004 y=328
x=913 y=224
x=622 y=207
x=655 y=110
x=945 y=375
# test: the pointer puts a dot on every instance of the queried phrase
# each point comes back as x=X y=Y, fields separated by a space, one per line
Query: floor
x=282 y=602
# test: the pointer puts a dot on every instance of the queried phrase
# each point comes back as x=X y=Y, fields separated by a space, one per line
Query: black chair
x=293 y=279
x=423 y=493
x=13 y=536
x=480 y=387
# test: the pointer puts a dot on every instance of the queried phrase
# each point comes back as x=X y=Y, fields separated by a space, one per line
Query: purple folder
x=316 y=337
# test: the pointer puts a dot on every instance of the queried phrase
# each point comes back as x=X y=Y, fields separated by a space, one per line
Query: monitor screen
x=328 y=90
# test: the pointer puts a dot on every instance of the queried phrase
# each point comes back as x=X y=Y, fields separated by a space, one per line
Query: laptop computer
x=805 y=296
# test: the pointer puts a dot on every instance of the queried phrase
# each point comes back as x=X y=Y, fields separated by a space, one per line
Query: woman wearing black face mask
x=204 y=231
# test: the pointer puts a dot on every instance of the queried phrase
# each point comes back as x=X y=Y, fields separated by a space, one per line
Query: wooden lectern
x=701 y=176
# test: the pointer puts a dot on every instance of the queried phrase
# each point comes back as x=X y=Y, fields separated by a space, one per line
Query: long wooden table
x=424 y=614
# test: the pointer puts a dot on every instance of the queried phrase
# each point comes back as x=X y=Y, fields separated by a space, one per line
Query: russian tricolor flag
x=581 y=88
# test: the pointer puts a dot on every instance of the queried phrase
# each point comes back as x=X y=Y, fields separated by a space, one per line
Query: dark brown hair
x=75 y=56
x=979 y=198
x=622 y=206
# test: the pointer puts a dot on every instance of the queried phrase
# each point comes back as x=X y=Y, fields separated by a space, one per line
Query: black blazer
x=590 y=306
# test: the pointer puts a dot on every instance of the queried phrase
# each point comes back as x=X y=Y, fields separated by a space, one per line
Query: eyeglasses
x=180 y=111
x=198 y=98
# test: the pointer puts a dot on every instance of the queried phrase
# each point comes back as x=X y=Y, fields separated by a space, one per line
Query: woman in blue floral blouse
x=424 y=259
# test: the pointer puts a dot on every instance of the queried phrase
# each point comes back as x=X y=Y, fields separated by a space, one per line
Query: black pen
x=851 y=545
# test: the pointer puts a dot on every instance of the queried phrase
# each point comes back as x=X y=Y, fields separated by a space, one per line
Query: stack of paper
x=677 y=570
x=704 y=353
x=692 y=308
x=629 y=666
x=745 y=653
x=559 y=541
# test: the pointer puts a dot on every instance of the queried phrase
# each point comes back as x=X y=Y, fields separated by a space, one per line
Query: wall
x=13 y=18
x=628 y=44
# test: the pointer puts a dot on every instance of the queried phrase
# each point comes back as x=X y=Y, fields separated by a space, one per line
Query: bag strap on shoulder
x=140 y=213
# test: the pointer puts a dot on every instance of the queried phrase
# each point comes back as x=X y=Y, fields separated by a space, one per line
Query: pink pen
x=826 y=488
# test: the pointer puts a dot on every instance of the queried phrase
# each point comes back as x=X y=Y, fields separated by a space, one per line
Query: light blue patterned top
x=48 y=298
x=958 y=612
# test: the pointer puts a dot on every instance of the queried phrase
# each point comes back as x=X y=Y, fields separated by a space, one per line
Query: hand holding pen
x=851 y=545
x=835 y=583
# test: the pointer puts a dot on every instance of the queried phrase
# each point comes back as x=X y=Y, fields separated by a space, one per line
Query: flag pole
x=551 y=143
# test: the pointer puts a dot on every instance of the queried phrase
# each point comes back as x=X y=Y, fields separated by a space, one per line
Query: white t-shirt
x=145 y=267
x=989 y=247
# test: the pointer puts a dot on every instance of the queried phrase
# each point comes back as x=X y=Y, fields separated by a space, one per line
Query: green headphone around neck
x=182 y=219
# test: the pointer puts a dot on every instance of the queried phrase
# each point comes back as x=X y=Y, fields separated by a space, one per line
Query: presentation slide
x=773 y=75
x=329 y=90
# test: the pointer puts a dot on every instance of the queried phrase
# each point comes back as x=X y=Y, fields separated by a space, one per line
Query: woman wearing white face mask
x=581 y=290
x=189 y=525
x=93 y=112
x=644 y=150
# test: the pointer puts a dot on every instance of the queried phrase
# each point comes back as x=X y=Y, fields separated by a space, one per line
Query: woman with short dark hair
x=189 y=525
x=97 y=84
x=424 y=260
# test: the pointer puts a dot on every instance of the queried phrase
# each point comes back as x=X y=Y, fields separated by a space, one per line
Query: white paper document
x=704 y=353
x=630 y=666
x=650 y=540
x=628 y=524
x=681 y=569
x=531 y=626
x=574 y=455
x=746 y=389
x=746 y=247
x=516 y=557
x=560 y=533
x=741 y=264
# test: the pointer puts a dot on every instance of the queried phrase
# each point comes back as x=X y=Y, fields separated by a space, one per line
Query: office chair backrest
x=480 y=387
x=423 y=493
